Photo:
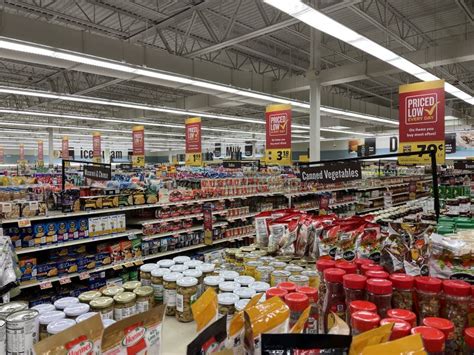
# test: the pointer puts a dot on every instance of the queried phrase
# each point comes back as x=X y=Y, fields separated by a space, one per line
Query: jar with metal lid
x=379 y=292
x=312 y=293
x=427 y=296
x=88 y=296
x=294 y=269
x=178 y=268
x=85 y=316
x=239 y=260
x=241 y=304
x=230 y=255
x=145 y=273
x=186 y=295
x=266 y=260
x=145 y=298
x=229 y=275
x=299 y=262
x=247 y=249
x=169 y=291
x=213 y=282
x=125 y=305
x=62 y=303
x=44 y=307
x=433 y=339
x=244 y=281
x=12 y=307
x=285 y=258
x=251 y=266
x=313 y=279
x=157 y=283
x=402 y=291
x=260 y=286
x=278 y=265
x=197 y=274
x=59 y=326
x=279 y=276
x=250 y=257
x=111 y=291
x=129 y=286
x=452 y=342
x=103 y=305
x=76 y=310
x=245 y=292
x=165 y=263
x=226 y=304
x=263 y=273
x=299 y=280
x=46 y=318
x=228 y=286
x=297 y=302
x=193 y=264
x=181 y=259
x=362 y=321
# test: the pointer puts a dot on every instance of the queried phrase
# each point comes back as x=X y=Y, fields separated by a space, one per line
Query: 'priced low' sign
x=332 y=173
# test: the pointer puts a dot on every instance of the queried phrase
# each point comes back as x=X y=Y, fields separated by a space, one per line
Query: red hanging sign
x=193 y=141
x=96 y=147
x=65 y=148
x=278 y=134
x=138 y=145
x=40 y=151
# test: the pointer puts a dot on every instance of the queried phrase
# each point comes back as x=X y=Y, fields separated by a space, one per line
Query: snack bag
x=346 y=244
x=135 y=335
x=369 y=245
x=261 y=230
x=318 y=223
x=210 y=340
x=287 y=242
x=277 y=232
x=409 y=345
x=394 y=248
x=305 y=344
x=328 y=240
x=372 y=337
x=416 y=259
x=305 y=237
x=83 y=338
x=205 y=309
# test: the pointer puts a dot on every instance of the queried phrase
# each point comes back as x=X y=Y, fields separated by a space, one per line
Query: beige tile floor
x=177 y=336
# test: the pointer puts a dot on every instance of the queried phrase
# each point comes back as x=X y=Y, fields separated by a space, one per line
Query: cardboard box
x=51 y=232
x=122 y=223
x=62 y=233
x=45 y=270
x=113 y=222
x=95 y=226
x=28 y=268
x=73 y=229
x=106 y=227
x=83 y=228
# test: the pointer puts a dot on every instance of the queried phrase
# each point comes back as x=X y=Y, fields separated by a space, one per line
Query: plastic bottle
x=334 y=300
x=447 y=327
x=363 y=321
x=433 y=339
x=354 y=289
x=312 y=293
x=379 y=292
x=297 y=302
x=400 y=328
x=427 y=297
x=403 y=314
x=402 y=291
x=469 y=341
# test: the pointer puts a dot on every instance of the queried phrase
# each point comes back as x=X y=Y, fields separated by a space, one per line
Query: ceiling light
x=338 y=127
x=368 y=46
x=359 y=115
x=345 y=132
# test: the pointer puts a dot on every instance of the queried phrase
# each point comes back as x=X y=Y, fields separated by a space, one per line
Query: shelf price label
x=65 y=280
x=117 y=267
x=45 y=285
x=129 y=264
x=138 y=262
x=278 y=156
x=23 y=223
x=84 y=276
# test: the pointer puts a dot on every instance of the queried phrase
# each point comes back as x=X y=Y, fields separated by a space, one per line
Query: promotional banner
x=421 y=109
x=193 y=141
x=40 y=154
x=65 y=148
x=138 y=142
x=96 y=147
x=22 y=152
x=2 y=155
x=450 y=143
x=278 y=134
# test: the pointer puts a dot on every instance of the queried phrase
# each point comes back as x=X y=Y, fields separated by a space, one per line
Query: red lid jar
x=376 y=274
x=445 y=325
x=433 y=339
x=403 y=314
x=356 y=306
x=366 y=267
x=349 y=268
x=297 y=302
x=311 y=292
x=456 y=288
x=354 y=281
x=379 y=286
x=363 y=321
x=400 y=328
x=469 y=337
x=276 y=292
x=287 y=286
x=334 y=275
x=402 y=281
x=323 y=264
x=362 y=261
x=428 y=284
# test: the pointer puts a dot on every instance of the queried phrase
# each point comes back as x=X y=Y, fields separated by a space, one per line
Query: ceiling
x=245 y=43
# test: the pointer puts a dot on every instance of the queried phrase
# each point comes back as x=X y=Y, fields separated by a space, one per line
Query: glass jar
x=64 y=302
x=145 y=273
x=321 y=265
x=400 y=328
x=469 y=341
x=379 y=292
x=251 y=257
x=278 y=265
x=85 y=316
x=260 y=286
x=75 y=310
x=228 y=286
x=186 y=295
x=165 y=263
x=294 y=269
x=244 y=281
x=125 y=305
x=266 y=260
x=129 y=286
x=433 y=339
x=157 y=284
x=178 y=268
x=245 y=292
x=58 y=326
x=145 y=298
x=46 y=318
x=169 y=291
x=44 y=307
x=402 y=291
x=313 y=280
x=88 y=296
x=312 y=293
x=403 y=314
x=193 y=264
x=241 y=304
x=349 y=268
x=377 y=274
x=297 y=302
x=362 y=321
x=275 y=292
x=287 y=286
x=229 y=275
x=262 y=273
x=299 y=280
x=457 y=295
x=207 y=269
x=230 y=255
x=181 y=259
x=279 y=276
x=197 y=274
x=453 y=344
x=226 y=304
x=354 y=290
x=427 y=297
x=366 y=267
x=239 y=262
x=111 y=291
x=334 y=298
x=212 y=282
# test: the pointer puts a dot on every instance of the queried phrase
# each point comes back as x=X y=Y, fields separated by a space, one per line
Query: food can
x=12 y=307
x=22 y=331
x=3 y=336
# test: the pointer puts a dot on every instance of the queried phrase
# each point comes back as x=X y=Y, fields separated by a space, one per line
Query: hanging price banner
x=278 y=134
x=96 y=147
x=40 y=154
x=193 y=141
x=138 y=141
x=22 y=152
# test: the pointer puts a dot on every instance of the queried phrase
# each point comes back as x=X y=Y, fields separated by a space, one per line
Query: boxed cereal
x=26 y=237
x=73 y=229
x=27 y=268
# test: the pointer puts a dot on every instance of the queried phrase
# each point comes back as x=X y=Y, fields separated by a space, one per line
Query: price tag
x=34 y=206
x=84 y=276
x=138 y=262
x=129 y=264
x=6 y=207
x=65 y=280
x=117 y=267
x=45 y=285
x=132 y=236
x=23 y=223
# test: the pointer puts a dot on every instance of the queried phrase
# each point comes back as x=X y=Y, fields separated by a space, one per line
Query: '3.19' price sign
x=280 y=156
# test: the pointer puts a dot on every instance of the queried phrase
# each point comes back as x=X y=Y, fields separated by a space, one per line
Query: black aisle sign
x=450 y=143
x=332 y=173
x=98 y=172
x=464 y=165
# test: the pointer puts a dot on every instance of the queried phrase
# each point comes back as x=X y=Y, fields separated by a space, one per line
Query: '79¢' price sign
x=280 y=156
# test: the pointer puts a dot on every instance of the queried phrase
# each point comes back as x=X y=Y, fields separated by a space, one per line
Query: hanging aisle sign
x=421 y=121
x=96 y=147
x=40 y=154
x=193 y=141
x=332 y=173
x=138 y=141
x=65 y=148
x=278 y=134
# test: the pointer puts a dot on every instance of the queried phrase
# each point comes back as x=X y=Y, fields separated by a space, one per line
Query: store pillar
x=50 y=147
x=315 y=97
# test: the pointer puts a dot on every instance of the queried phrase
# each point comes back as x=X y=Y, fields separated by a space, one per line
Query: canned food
x=262 y=273
x=312 y=276
x=278 y=276
x=12 y=307
x=22 y=331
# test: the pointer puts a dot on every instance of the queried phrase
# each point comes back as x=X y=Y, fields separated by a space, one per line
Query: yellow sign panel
x=194 y=159
x=138 y=161
x=424 y=159
x=281 y=156
x=304 y=158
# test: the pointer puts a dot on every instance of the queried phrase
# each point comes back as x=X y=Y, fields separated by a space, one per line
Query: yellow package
x=205 y=309
x=372 y=337
x=410 y=345
x=298 y=327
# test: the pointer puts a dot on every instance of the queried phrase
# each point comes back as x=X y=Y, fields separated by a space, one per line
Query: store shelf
x=341 y=204
x=305 y=193
x=164 y=220
x=128 y=263
x=400 y=194
x=241 y=217
x=180 y=231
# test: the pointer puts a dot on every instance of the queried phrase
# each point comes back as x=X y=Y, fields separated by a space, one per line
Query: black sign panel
x=248 y=149
x=217 y=150
x=332 y=173
x=450 y=143
x=98 y=172
x=237 y=164
x=464 y=165
x=370 y=147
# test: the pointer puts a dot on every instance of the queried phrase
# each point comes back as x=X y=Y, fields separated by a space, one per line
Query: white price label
x=65 y=280
x=23 y=223
x=132 y=236
x=84 y=276
x=45 y=285
x=34 y=206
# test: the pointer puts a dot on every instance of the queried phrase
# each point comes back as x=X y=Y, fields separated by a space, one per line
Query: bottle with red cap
x=287 y=286
x=362 y=261
x=453 y=344
x=403 y=314
x=312 y=293
x=362 y=321
x=321 y=265
x=377 y=274
x=379 y=292
x=334 y=300
x=348 y=267
x=427 y=297
x=402 y=297
x=400 y=328
x=354 y=289
x=276 y=292
x=297 y=302
x=433 y=339
x=458 y=297
x=366 y=267
x=469 y=341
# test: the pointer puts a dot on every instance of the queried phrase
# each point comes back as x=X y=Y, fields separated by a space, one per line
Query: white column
x=315 y=97
x=50 y=147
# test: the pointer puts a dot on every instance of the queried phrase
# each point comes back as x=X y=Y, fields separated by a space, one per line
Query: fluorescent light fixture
x=358 y=115
x=338 y=127
x=323 y=23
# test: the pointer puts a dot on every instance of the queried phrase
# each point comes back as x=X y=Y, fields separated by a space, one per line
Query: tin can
x=12 y=307
x=3 y=336
x=22 y=332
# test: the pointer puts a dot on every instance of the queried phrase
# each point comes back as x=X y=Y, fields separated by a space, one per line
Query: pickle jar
x=44 y=307
x=60 y=325
x=85 y=316
x=178 y=268
x=244 y=281
x=169 y=291
x=186 y=295
x=145 y=273
x=294 y=269
x=76 y=310
x=241 y=304
x=212 y=282
x=157 y=284
x=111 y=291
x=266 y=260
x=427 y=296
x=196 y=273
x=165 y=263
x=402 y=297
x=88 y=296
x=251 y=266
x=251 y=257
x=125 y=305
x=129 y=286
x=230 y=255
x=104 y=306
x=263 y=273
x=145 y=297
x=207 y=269
x=226 y=304
x=47 y=318
x=278 y=265
x=64 y=302
x=244 y=292
x=279 y=276
x=312 y=276
x=193 y=264
x=260 y=286
x=181 y=259
x=228 y=286
x=379 y=292
x=229 y=275
x=299 y=280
